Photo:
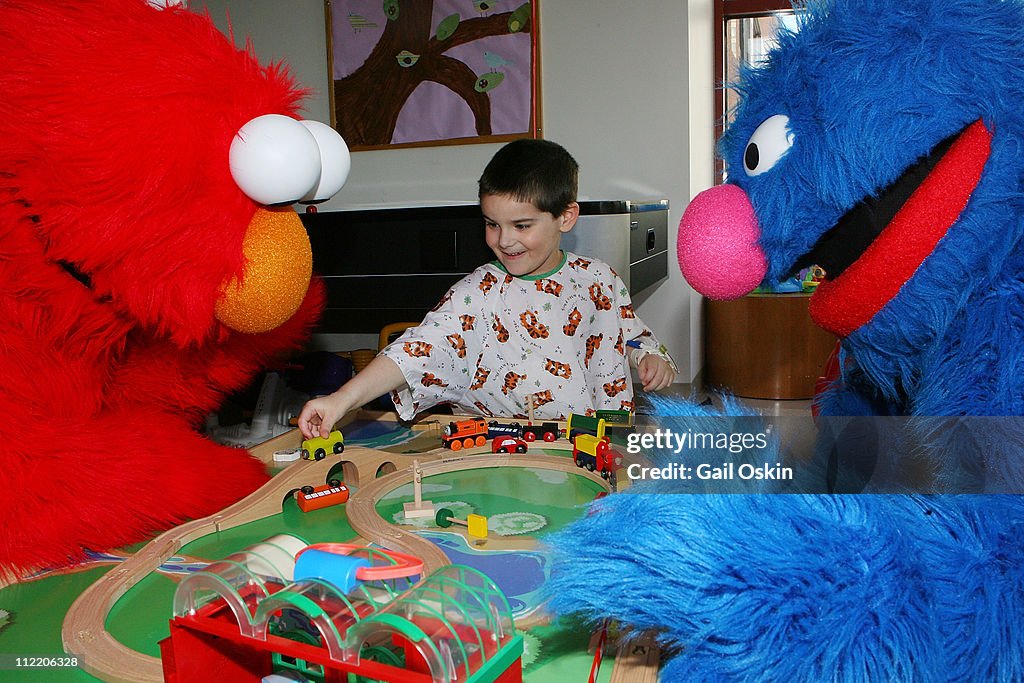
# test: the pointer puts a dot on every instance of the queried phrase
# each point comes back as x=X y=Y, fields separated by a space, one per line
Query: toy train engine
x=547 y=431
x=595 y=454
x=465 y=434
x=496 y=429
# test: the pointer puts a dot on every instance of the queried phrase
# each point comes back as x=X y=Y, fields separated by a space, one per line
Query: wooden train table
x=105 y=618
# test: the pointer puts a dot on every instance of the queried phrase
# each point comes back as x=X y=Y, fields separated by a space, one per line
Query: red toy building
x=248 y=617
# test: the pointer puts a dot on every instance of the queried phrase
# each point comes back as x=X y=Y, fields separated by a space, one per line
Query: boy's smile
x=525 y=239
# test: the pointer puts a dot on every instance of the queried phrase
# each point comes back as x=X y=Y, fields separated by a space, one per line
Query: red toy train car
x=508 y=444
x=547 y=431
x=315 y=497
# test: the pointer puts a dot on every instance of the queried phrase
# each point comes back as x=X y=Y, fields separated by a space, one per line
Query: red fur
x=115 y=123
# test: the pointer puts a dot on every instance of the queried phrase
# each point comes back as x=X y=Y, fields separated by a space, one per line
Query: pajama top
x=495 y=339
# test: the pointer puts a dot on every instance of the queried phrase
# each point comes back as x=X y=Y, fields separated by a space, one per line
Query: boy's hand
x=379 y=377
x=319 y=415
x=655 y=373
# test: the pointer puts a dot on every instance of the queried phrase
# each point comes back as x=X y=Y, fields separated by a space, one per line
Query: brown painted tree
x=368 y=101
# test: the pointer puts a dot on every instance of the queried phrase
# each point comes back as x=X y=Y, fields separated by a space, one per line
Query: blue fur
x=806 y=587
x=873 y=587
x=681 y=417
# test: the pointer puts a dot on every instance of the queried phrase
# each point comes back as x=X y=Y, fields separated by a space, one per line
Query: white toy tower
x=419 y=507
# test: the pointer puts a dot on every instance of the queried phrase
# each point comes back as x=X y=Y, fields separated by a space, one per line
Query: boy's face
x=525 y=239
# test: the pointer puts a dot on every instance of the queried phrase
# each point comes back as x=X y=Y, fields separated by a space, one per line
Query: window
x=745 y=31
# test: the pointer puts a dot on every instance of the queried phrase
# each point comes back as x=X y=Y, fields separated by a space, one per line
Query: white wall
x=700 y=20
x=617 y=93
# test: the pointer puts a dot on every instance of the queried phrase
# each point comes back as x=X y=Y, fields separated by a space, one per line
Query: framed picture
x=433 y=72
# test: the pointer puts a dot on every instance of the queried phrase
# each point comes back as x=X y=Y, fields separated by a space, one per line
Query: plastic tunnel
x=456 y=623
x=457 y=619
x=326 y=607
x=475 y=589
x=242 y=579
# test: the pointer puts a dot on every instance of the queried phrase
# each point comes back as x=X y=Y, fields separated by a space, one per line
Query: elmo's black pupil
x=751 y=157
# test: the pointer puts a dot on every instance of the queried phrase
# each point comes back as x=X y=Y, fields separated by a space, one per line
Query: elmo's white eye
x=767 y=145
x=335 y=162
x=275 y=159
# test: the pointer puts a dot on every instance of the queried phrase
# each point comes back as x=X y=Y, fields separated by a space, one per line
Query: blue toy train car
x=495 y=429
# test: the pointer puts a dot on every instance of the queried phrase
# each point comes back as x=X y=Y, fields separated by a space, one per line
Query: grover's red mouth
x=866 y=272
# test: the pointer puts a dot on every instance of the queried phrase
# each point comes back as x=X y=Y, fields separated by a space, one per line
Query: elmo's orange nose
x=279 y=264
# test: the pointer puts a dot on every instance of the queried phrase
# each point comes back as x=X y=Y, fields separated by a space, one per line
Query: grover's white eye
x=767 y=145
x=275 y=159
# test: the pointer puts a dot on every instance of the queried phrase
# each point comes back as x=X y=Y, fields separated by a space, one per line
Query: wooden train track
x=362 y=506
x=637 y=661
x=84 y=631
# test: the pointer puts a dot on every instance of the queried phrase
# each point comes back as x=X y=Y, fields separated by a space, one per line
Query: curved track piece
x=84 y=631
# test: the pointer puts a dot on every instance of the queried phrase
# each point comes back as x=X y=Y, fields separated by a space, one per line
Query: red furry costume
x=119 y=226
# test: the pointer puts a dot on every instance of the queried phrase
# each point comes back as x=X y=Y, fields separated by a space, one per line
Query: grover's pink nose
x=717 y=244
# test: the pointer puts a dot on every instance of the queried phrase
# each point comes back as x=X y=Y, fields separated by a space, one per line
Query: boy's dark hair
x=537 y=171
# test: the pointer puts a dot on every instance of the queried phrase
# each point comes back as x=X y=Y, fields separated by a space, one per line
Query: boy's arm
x=435 y=348
x=437 y=356
x=381 y=376
x=655 y=367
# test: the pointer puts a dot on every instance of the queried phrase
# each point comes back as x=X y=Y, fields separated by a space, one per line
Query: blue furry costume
x=884 y=140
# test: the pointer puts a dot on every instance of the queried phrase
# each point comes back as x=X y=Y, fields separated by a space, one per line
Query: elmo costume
x=141 y=276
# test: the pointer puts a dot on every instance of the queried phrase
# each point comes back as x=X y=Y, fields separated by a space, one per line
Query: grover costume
x=139 y=283
x=883 y=141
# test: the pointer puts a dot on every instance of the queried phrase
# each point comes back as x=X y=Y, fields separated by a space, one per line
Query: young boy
x=537 y=324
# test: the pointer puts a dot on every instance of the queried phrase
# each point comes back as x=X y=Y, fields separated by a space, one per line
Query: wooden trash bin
x=764 y=346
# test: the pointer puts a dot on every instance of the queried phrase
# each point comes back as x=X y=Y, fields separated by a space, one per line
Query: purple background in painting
x=434 y=112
